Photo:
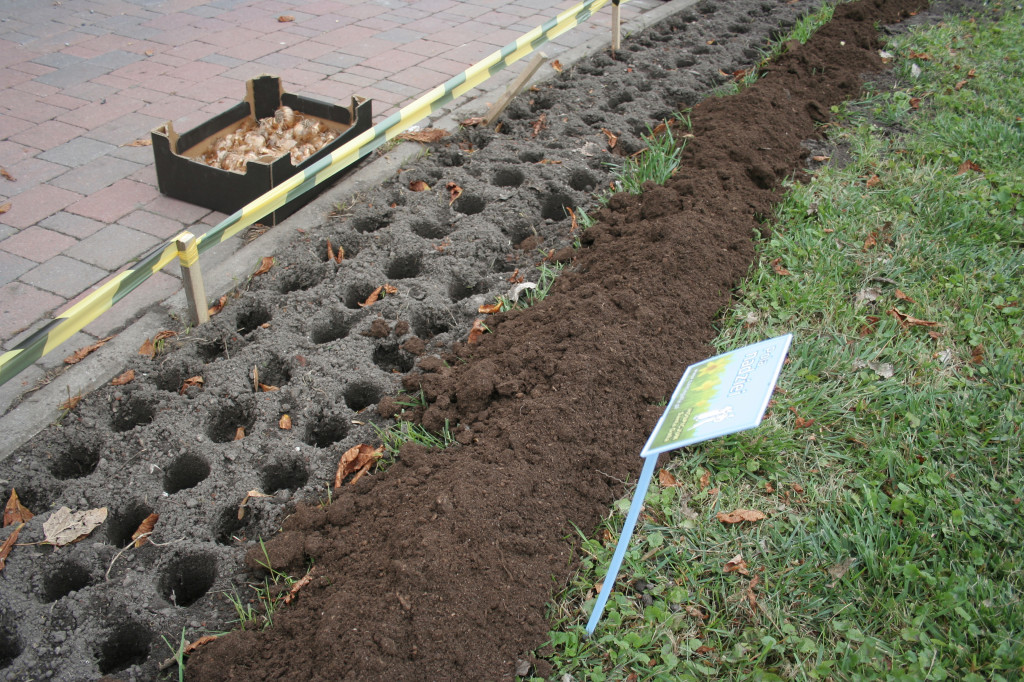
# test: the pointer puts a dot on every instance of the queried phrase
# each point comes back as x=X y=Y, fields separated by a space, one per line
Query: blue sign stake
x=718 y=396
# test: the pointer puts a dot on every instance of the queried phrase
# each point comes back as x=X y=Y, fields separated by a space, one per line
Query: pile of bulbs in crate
x=286 y=132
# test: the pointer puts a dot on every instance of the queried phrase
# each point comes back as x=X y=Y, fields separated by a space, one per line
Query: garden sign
x=716 y=397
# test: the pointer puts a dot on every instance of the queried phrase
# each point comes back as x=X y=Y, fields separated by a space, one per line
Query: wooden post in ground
x=513 y=90
x=192 y=278
x=616 y=32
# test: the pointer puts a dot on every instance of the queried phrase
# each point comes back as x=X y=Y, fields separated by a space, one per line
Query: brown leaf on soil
x=539 y=125
x=548 y=161
x=613 y=139
x=820 y=158
x=557 y=66
x=298 y=585
x=15 y=511
x=751 y=597
x=873 y=181
x=218 y=306
x=740 y=515
x=572 y=216
x=141 y=142
x=871 y=241
x=802 y=423
x=192 y=646
x=239 y=433
x=454 y=192
x=141 y=533
x=285 y=422
x=123 y=379
x=472 y=121
x=419 y=186
x=65 y=527
x=694 y=612
x=265 y=265
x=907 y=321
x=778 y=268
x=489 y=309
x=977 y=356
x=516 y=278
x=736 y=565
x=903 y=297
x=476 y=332
x=372 y=298
x=705 y=480
x=427 y=135
x=666 y=479
x=189 y=383
x=915 y=102
x=4 y=208
x=330 y=251
x=71 y=403
x=968 y=166
x=356 y=459
x=252 y=494
x=390 y=289
x=82 y=353
x=8 y=545
x=267 y=389
x=285 y=18
x=7 y=175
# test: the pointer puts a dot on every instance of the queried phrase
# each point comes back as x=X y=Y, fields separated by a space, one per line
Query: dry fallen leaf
x=454 y=192
x=736 y=565
x=613 y=139
x=873 y=181
x=666 y=479
x=907 y=321
x=871 y=241
x=252 y=494
x=8 y=545
x=473 y=121
x=705 y=479
x=572 y=216
x=426 y=135
x=65 y=526
x=218 y=306
x=239 y=433
x=7 y=175
x=777 y=267
x=903 y=297
x=15 y=511
x=419 y=186
x=489 y=309
x=142 y=142
x=557 y=66
x=476 y=332
x=372 y=298
x=539 y=125
x=285 y=422
x=798 y=489
x=72 y=402
x=837 y=571
x=820 y=158
x=285 y=18
x=192 y=646
x=141 y=533
x=751 y=597
x=977 y=357
x=299 y=584
x=123 y=379
x=356 y=459
x=82 y=353
x=265 y=265
x=923 y=56
x=802 y=423
x=264 y=388
x=4 y=208
x=740 y=515
x=968 y=166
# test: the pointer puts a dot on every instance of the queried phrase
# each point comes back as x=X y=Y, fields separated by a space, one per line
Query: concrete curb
x=41 y=408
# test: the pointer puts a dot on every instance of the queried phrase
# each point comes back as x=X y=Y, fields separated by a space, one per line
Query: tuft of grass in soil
x=258 y=611
x=890 y=465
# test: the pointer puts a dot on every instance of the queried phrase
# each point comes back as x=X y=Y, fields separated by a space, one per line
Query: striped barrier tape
x=68 y=323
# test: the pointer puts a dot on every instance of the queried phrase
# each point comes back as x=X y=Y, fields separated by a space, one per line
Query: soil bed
x=440 y=567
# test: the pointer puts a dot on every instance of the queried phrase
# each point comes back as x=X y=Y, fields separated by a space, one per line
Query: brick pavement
x=82 y=79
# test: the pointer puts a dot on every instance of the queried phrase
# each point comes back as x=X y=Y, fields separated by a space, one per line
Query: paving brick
x=15 y=387
x=94 y=176
x=171 y=108
x=231 y=36
x=105 y=111
x=30 y=173
x=21 y=305
x=308 y=49
x=12 y=267
x=250 y=50
x=420 y=78
x=73 y=225
x=93 y=92
x=187 y=213
x=151 y=223
x=55 y=358
x=47 y=135
x=77 y=152
x=61 y=100
x=113 y=246
x=338 y=59
x=36 y=243
x=64 y=276
x=213 y=90
x=126 y=129
x=392 y=60
x=29 y=108
x=33 y=205
x=377 y=24
x=75 y=74
x=56 y=60
x=155 y=289
x=193 y=50
x=277 y=61
x=110 y=204
x=11 y=125
x=196 y=71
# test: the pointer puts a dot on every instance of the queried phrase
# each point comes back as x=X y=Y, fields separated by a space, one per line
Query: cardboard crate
x=182 y=175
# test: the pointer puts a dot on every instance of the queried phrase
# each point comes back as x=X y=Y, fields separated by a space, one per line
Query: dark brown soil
x=441 y=568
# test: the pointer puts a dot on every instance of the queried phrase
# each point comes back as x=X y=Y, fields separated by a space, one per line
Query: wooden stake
x=513 y=90
x=192 y=278
x=616 y=37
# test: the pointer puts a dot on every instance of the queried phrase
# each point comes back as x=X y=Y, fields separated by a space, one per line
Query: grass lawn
x=891 y=464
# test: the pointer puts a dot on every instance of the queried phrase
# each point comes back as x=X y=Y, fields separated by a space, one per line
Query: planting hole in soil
x=125 y=645
x=582 y=181
x=554 y=205
x=186 y=471
x=77 y=461
x=325 y=429
x=427 y=325
x=288 y=474
x=63 y=579
x=172 y=375
x=390 y=358
x=123 y=523
x=362 y=394
x=226 y=421
x=404 y=267
x=302 y=277
x=358 y=293
x=370 y=223
x=430 y=229
x=336 y=326
x=459 y=289
x=132 y=412
x=231 y=530
x=508 y=177
x=186 y=578
x=10 y=644
x=274 y=372
x=215 y=349
x=469 y=204
x=251 y=316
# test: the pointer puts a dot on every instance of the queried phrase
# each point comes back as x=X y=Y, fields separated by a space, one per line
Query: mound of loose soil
x=440 y=567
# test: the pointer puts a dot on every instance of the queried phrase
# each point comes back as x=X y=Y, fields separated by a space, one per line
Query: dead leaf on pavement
x=476 y=332
x=8 y=545
x=265 y=265
x=907 y=321
x=252 y=494
x=82 y=353
x=299 y=584
x=15 y=511
x=454 y=192
x=189 y=383
x=4 y=208
x=736 y=565
x=7 y=175
x=740 y=515
x=613 y=139
x=285 y=18
x=426 y=135
x=489 y=309
x=285 y=422
x=557 y=66
x=777 y=267
x=218 y=306
x=473 y=121
x=123 y=379
x=65 y=526
x=147 y=348
x=142 y=142
x=967 y=166
x=356 y=460
x=419 y=186
x=666 y=479
x=141 y=533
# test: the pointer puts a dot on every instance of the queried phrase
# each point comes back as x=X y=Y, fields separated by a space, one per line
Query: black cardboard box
x=182 y=176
